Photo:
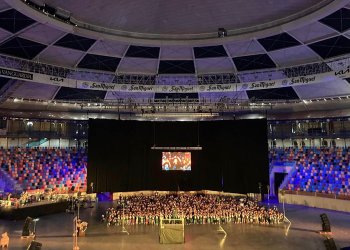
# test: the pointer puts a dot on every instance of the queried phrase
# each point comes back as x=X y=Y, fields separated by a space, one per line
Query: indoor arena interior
x=175 y=125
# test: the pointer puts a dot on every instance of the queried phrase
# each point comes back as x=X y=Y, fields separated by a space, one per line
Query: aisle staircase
x=35 y=143
x=8 y=184
x=288 y=167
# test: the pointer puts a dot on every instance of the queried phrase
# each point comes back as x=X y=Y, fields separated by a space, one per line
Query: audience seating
x=322 y=170
x=46 y=168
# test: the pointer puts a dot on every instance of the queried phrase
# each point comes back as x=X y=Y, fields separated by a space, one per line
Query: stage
x=55 y=233
x=33 y=210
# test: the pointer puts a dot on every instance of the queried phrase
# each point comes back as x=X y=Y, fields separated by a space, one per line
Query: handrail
x=318 y=194
x=289 y=176
x=10 y=182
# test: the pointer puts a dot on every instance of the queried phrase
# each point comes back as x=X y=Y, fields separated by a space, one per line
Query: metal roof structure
x=175 y=44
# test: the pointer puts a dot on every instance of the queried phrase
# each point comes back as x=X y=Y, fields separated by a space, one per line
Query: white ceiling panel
x=243 y=48
x=138 y=66
x=4 y=35
x=214 y=65
x=34 y=90
x=176 y=53
x=109 y=48
x=325 y=89
x=294 y=56
x=312 y=32
x=340 y=64
x=347 y=34
x=3 y=5
x=42 y=33
x=60 y=56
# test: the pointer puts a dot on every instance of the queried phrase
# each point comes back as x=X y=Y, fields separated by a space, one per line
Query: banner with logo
x=343 y=73
x=54 y=80
x=15 y=74
x=295 y=81
x=81 y=84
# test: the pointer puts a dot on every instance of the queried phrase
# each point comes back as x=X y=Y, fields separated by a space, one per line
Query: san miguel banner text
x=72 y=83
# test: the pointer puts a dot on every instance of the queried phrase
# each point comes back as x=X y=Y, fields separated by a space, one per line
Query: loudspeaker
x=330 y=244
x=326 y=225
x=27 y=227
x=34 y=245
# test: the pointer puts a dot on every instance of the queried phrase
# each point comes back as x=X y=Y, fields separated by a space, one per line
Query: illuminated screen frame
x=176 y=161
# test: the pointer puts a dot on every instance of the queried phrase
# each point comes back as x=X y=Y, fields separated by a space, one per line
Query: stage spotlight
x=49 y=10
x=63 y=14
x=36 y=4
x=222 y=32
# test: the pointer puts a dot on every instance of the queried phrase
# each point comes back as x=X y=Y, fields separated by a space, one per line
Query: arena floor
x=55 y=233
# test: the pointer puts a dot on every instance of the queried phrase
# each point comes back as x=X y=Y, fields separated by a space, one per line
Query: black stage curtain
x=234 y=156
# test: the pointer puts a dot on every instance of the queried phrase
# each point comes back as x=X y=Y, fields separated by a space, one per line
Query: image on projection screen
x=176 y=161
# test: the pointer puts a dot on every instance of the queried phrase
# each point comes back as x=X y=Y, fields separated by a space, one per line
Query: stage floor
x=55 y=233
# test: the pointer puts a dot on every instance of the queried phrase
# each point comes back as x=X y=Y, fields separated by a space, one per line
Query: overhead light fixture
x=39 y=4
x=222 y=32
x=49 y=10
x=63 y=14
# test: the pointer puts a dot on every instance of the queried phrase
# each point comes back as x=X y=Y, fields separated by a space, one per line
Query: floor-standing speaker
x=27 y=227
x=326 y=225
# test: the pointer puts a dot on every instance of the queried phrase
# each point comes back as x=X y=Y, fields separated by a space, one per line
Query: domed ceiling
x=130 y=42
x=184 y=17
